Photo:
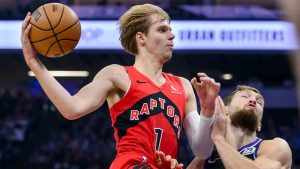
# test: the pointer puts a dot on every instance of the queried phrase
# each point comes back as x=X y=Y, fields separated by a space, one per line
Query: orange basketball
x=55 y=30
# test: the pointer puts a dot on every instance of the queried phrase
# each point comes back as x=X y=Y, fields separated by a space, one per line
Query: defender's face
x=159 y=39
x=248 y=100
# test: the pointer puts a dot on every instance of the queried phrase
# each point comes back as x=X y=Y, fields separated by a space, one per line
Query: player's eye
x=260 y=102
x=245 y=96
x=162 y=30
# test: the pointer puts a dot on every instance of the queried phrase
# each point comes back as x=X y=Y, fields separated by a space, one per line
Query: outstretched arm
x=88 y=99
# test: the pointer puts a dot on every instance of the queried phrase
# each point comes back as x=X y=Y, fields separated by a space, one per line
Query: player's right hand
x=166 y=161
x=28 y=50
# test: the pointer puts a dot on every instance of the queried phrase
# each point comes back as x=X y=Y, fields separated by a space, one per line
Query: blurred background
x=34 y=135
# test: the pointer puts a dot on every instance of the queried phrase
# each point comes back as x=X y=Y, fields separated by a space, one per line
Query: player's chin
x=170 y=53
x=167 y=57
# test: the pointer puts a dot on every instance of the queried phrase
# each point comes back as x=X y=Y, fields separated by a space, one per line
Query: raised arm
x=207 y=90
x=198 y=127
x=88 y=99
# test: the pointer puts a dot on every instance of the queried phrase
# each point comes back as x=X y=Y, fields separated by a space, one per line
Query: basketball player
x=234 y=136
x=147 y=106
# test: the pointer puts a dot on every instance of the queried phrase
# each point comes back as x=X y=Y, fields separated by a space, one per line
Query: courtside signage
x=190 y=35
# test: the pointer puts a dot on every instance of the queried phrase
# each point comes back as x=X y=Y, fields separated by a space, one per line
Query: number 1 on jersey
x=158 y=133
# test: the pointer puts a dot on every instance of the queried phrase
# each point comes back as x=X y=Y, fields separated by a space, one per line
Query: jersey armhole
x=128 y=89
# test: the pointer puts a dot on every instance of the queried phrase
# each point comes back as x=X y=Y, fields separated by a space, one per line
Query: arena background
x=34 y=135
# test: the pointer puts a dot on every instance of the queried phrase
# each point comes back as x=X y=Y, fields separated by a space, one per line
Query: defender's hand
x=220 y=124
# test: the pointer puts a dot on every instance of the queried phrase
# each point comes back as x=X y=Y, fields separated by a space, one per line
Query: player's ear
x=140 y=38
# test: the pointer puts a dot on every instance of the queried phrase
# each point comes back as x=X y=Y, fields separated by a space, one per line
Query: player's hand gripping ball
x=55 y=30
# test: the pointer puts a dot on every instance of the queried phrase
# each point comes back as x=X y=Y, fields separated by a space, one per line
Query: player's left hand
x=166 y=161
x=207 y=90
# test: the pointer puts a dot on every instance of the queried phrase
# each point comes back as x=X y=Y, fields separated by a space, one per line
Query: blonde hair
x=227 y=100
x=137 y=19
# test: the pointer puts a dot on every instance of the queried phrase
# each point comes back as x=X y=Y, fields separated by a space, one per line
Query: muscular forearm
x=231 y=158
x=59 y=96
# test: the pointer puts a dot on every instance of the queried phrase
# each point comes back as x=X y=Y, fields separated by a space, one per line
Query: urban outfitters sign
x=189 y=35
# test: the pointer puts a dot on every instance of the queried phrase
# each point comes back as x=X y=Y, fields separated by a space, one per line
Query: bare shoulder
x=185 y=82
x=114 y=74
x=276 y=149
x=111 y=71
x=187 y=87
x=276 y=144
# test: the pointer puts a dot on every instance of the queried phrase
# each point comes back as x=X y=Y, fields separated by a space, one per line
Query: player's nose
x=172 y=36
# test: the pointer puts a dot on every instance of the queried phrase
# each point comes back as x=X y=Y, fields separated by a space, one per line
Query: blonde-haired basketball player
x=147 y=106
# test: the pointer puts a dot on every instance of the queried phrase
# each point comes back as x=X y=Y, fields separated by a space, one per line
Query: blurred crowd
x=33 y=135
x=177 y=9
x=17 y=9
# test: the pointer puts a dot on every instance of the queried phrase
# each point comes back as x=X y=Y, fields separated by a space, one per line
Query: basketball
x=55 y=30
